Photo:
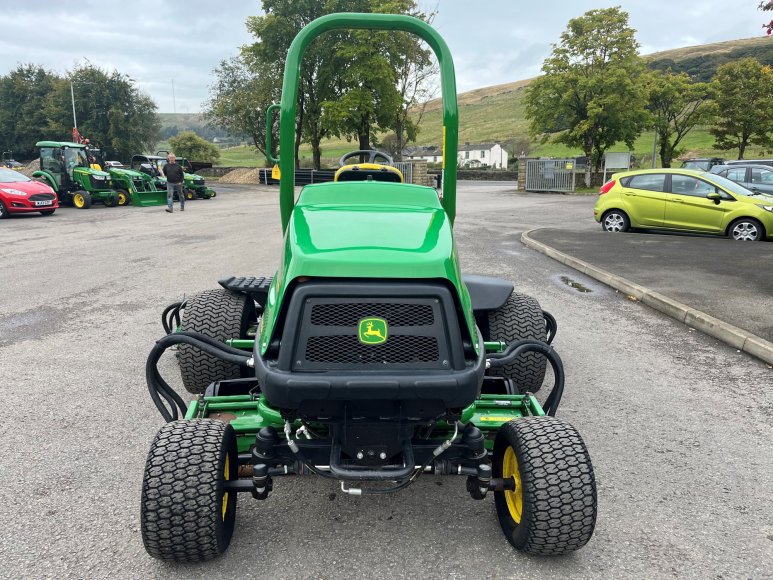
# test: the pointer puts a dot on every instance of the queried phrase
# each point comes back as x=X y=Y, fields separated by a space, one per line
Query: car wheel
x=615 y=221
x=3 y=211
x=746 y=230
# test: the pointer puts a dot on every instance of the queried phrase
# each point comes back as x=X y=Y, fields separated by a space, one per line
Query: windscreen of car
x=648 y=182
x=11 y=176
x=702 y=165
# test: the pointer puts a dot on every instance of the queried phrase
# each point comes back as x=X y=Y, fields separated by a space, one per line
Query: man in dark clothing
x=174 y=182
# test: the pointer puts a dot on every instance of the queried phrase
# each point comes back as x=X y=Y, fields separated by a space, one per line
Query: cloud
x=493 y=42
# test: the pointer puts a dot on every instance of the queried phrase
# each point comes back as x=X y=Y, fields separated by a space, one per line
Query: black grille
x=348 y=314
x=347 y=349
x=327 y=329
x=42 y=197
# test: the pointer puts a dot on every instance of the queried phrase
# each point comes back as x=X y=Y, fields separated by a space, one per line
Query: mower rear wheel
x=520 y=317
x=190 y=194
x=185 y=514
x=552 y=510
x=111 y=200
x=221 y=314
x=81 y=199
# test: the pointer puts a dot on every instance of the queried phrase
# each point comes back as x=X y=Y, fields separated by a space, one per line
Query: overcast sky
x=493 y=41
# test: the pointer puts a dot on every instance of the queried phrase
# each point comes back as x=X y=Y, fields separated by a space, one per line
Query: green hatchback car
x=684 y=200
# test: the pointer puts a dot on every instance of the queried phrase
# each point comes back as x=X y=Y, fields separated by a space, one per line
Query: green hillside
x=497 y=112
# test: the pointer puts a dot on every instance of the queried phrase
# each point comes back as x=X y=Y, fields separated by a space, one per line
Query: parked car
x=20 y=194
x=685 y=200
x=703 y=164
x=768 y=162
x=754 y=177
x=117 y=164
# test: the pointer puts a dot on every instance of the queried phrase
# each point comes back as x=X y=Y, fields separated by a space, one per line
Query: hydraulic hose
x=170 y=317
x=517 y=348
x=158 y=388
x=551 y=326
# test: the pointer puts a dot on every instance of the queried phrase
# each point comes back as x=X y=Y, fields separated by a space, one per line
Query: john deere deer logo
x=372 y=330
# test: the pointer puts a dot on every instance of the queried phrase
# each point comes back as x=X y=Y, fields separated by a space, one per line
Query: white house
x=482 y=155
x=470 y=155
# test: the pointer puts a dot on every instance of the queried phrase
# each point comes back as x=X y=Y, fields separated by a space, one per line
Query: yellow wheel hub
x=78 y=200
x=121 y=198
x=226 y=474
x=514 y=499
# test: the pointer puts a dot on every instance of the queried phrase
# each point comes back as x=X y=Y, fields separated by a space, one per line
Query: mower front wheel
x=123 y=197
x=552 y=510
x=185 y=513
x=81 y=199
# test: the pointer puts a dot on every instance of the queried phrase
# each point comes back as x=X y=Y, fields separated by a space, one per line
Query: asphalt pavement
x=677 y=423
x=727 y=285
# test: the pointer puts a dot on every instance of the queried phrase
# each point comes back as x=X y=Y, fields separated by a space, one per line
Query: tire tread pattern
x=520 y=317
x=559 y=486
x=220 y=314
x=181 y=492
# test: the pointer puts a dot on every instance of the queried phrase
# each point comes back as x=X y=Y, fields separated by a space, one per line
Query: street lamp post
x=72 y=96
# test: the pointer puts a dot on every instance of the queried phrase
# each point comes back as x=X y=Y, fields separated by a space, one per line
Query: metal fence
x=406 y=168
x=550 y=175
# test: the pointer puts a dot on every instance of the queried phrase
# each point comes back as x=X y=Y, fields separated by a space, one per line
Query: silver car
x=755 y=177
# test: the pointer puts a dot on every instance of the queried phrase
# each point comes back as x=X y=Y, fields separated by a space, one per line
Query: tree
x=676 y=105
x=242 y=92
x=111 y=111
x=189 y=145
x=590 y=95
x=743 y=105
x=23 y=121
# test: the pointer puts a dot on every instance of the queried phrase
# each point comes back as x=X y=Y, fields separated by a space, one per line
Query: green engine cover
x=366 y=229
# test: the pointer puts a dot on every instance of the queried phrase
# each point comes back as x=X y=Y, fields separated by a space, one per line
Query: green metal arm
x=269 y=131
x=290 y=84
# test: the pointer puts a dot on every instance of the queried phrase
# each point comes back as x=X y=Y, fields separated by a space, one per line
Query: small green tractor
x=133 y=187
x=367 y=359
x=153 y=165
x=66 y=168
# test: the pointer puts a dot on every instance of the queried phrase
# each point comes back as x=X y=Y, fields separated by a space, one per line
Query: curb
x=738 y=338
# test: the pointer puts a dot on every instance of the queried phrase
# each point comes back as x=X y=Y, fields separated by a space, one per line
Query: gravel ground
x=678 y=424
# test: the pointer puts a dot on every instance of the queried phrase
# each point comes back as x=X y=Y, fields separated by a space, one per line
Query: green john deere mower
x=133 y=187
x=367 y=359
x=65 y=167
x=194 y=186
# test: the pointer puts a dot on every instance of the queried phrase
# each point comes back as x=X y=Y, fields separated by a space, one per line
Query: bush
x=189 y=145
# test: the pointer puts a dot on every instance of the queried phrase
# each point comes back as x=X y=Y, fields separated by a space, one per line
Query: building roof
x=476 y=146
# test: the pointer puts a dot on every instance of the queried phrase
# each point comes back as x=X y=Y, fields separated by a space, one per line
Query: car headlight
x=13 y=191
x=766 y=207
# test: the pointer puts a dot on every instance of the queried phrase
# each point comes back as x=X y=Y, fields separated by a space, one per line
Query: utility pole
x=174 y=101
x=654 y=148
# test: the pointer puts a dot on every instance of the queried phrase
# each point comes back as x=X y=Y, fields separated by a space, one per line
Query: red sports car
x=20 y=194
